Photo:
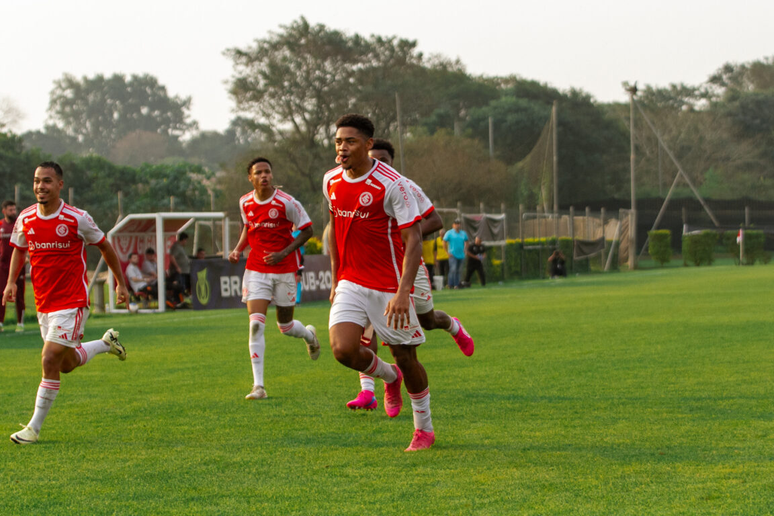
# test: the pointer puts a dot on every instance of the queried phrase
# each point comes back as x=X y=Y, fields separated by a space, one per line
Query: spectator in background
x=455 y=243
x=201 y=254
x=140 y=283
x=180 y=263
x=441 y=257
x=556 y=265
x=476 y=252
x=428 y=255
x=6 y=250
x=149 y=265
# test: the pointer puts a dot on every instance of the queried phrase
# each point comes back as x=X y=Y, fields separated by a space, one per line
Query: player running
x=56 y=235
x=375 y=244
x=269 y=215
x=6 y=251
x=429 y=318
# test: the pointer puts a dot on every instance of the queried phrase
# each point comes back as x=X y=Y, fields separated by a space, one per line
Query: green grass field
x=628 y=393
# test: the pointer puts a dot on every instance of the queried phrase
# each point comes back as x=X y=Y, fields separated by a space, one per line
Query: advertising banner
x=217 y=283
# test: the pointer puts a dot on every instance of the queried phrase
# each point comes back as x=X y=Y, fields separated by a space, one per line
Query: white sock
x=454 y=327
x=257 y=346
x=420 y=403
x=381 y=369
x=88 y=350
x=366 y=382
x=47 y=392
x=296 y=329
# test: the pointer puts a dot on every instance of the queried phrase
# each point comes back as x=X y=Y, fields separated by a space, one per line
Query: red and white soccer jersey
x=423 y=203
x=57 y=247
x=368 y=215
x=269 y=229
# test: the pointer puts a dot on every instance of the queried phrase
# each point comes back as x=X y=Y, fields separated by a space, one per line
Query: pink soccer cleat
x=393 y=401
x=422 y=440
x=365 y=401
x=464 y=340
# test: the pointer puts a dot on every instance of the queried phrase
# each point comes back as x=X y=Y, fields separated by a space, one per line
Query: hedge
x=754 y=251
x=529 y=259
x=699 y=248
x=660 y=245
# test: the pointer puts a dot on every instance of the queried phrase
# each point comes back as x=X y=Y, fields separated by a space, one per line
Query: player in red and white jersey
x=429 y=318
x=56 y=236
x=269 y=216
x=6 y=251
x=375 y=245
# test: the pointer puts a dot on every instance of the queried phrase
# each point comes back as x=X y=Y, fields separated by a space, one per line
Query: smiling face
x=47 y=185
x=260 y=176
x=352 y=150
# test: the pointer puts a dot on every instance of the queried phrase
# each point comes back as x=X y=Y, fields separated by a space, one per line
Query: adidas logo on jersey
x=31 y=232
x=250 y=214
x=333 y=196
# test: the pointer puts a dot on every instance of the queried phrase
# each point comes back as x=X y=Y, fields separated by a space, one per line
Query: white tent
x=162 y=226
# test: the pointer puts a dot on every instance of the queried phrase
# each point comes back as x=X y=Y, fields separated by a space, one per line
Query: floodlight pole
x=632 y=90
x=556 y=170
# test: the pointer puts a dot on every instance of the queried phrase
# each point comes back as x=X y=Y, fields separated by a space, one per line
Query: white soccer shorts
x=357 y=304
x=64 y=327
x=423 y=295
x=263 y=285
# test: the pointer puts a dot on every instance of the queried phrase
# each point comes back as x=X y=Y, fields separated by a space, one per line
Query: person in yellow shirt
x=428 y=256
x=441 y=257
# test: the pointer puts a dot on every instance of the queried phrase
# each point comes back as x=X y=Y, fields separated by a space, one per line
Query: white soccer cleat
x=313 y=348
x=116 y=348
x=258 y=393
x=25 y=436
x=19 y=328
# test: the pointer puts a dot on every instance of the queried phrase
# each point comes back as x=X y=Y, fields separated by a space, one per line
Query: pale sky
x=592 y=45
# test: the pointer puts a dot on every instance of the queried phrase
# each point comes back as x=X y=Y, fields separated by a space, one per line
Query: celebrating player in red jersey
x=56 y=235
x=375 y=244
x=6 y=251
x=429 y=318
x=269 y=215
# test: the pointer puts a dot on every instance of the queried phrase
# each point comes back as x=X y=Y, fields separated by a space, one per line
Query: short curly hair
x=359 y=122
x=385 y=145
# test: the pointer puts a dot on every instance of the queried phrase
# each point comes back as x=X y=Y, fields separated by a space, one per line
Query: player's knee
x=50 y=362
x=427 y=321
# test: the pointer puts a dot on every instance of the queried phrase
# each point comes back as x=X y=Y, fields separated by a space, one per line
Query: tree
x=10 y=114
x=452 y=169
x=294 y=84
x=99 y=111
x=17 y=166
x=52 y=140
